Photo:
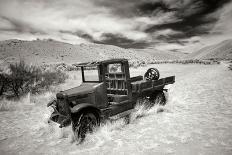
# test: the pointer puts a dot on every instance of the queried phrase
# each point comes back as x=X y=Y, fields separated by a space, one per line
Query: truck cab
x=111 y=80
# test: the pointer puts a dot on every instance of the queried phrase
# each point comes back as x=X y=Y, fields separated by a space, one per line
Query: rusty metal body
x=114 y=93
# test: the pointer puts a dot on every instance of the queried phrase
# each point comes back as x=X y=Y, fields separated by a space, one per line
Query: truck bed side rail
x=141 y=86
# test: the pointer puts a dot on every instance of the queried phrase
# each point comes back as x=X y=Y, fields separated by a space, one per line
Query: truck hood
x=84 y=88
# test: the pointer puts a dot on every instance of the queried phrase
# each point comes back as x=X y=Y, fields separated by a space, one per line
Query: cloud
x=224 y=23
x=42 y=18
x=122 y=41
x=5 y=24
x=219 y=30
x=125 y=23
x=167 y=32
x=63 y=37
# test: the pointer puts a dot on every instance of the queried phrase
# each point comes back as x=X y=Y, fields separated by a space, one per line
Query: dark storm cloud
x=80 y=34
x=193 y=18
x=190 y=17
x=172 y=39
x=151 y=8
x=121 y=41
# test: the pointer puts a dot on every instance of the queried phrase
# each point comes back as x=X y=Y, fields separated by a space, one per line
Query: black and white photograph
x=115 y=77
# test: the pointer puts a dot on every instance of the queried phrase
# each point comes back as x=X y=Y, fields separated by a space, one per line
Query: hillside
x=222 y=50
x=161 y=55
x=50 y=51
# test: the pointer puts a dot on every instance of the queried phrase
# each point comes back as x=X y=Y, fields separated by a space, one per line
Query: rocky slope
x=222 y=50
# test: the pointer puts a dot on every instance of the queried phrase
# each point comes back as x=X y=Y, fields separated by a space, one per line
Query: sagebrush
x=230 y=67
x=23 y=78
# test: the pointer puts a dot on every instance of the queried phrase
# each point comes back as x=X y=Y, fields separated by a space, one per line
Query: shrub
x=24 y=78
x=187 y=61
x=59 y=66
x=47 y=79
x=3 y=82
x=230 y=67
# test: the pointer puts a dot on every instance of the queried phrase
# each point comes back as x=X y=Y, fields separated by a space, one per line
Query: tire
x=127 y=119
x=152 y=74
x=85 y=123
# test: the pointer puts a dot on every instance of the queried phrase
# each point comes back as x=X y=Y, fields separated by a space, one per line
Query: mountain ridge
x=51 y=51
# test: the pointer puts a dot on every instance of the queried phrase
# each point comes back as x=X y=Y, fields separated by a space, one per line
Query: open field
x=196 y=120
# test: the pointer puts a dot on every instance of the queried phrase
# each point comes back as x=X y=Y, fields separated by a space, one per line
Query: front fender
x=83 y=106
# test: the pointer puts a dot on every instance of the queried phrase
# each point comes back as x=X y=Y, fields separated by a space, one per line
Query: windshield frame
x=83 y=70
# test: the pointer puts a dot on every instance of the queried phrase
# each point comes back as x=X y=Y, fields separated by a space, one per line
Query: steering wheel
x=152 y=74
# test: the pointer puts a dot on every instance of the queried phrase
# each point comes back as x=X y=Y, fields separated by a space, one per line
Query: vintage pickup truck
x=107 y=92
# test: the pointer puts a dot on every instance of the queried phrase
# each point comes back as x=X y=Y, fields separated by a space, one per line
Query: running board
x=123 y=114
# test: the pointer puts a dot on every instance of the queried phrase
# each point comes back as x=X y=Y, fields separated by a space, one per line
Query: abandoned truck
x=107 y=92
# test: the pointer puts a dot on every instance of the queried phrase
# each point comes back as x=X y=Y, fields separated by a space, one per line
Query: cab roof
x=95 y=63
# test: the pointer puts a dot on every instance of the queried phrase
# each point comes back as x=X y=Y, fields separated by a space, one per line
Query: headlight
x=52 y=102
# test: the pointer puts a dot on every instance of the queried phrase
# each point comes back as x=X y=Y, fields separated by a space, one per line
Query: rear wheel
x=159 y=98
x=127 y=119
x=85 y=124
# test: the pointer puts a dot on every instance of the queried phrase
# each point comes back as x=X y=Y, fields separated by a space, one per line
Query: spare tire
x=152 y=74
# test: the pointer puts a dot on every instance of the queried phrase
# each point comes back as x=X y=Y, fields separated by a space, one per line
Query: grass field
x=196 y=120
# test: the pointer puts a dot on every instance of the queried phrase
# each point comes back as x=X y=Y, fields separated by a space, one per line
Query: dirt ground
x=196 y=120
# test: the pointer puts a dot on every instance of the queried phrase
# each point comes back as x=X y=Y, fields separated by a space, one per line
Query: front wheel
x=85 y=124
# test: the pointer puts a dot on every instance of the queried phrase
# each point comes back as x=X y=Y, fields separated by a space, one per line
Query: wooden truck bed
x=143 y=85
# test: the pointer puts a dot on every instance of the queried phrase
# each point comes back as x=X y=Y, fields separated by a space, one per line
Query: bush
x=24 y=78
x=60 y=66
x=187 y=61
x=230 y=67
x=3 y=82
x=47 y=79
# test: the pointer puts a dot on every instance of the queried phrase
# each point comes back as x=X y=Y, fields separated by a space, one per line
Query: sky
x=175 y=25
